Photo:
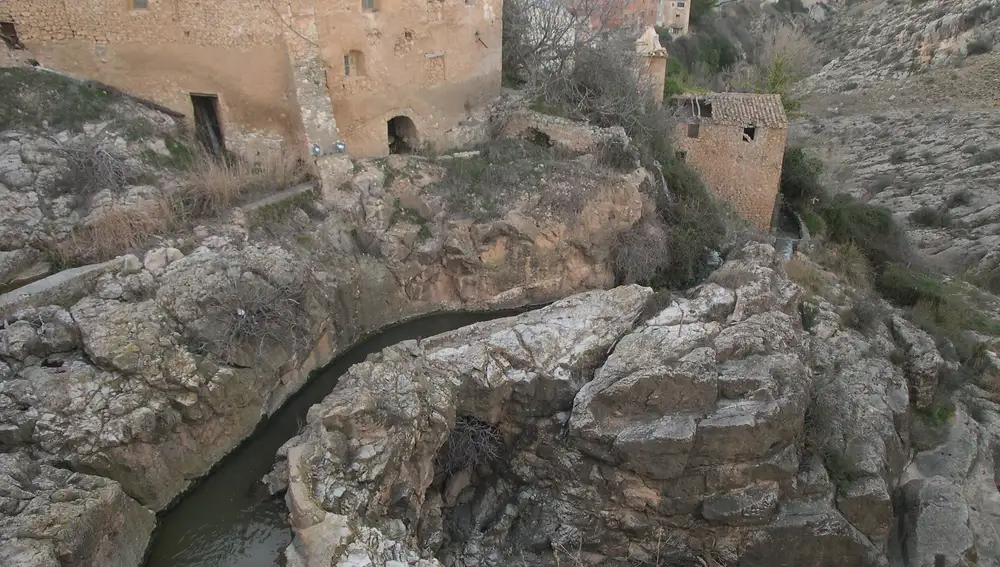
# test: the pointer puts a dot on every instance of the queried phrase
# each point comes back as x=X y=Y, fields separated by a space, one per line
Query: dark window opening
x=693 y=130
x=402 y=135
x=704 y=108
x=368 y=5
x=8 y=33
x=537 y=137
x=207 y=126
x=140 y=4
x=749 y=133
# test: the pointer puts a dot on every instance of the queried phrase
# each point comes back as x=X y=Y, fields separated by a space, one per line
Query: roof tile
x=741 y=109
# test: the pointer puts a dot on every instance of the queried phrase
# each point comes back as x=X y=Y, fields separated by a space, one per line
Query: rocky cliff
x=126 y=380
x=740 y=423
x=905 y=116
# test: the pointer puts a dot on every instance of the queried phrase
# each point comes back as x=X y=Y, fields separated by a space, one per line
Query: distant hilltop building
x=736 y=143
x=675 y=15
x=376 y=75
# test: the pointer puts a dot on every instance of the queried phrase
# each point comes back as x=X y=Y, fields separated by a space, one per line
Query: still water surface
x=228 y=520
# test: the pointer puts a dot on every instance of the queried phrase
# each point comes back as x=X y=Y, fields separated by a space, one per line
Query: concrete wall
x=427 y=60
x=174 y=48
x=744 y=174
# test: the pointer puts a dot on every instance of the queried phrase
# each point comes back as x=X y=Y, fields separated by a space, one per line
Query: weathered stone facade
x=674 y=15
x=652 y=63
x=279 y=71
x=736 y=142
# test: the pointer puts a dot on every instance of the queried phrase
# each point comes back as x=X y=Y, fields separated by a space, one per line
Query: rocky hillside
x=123 y=380
x=905 y=116
x=745 y=422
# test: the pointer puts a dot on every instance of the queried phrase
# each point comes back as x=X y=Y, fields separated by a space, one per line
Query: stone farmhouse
x=736 y=142
x=374 y=75
x=674 y=15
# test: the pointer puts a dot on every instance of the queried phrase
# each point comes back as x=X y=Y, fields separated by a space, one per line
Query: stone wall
x=674 y=15
x=433 y=62
x=172 y=49
x=744 y=174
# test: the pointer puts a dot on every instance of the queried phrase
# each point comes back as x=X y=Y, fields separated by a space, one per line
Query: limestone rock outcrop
x=610 y=428
x=153 y=369
x=52 y=517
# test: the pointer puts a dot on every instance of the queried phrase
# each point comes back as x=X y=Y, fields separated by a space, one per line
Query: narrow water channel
x=228 y=520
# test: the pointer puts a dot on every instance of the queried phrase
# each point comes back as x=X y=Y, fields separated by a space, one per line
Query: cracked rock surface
x=713 y=428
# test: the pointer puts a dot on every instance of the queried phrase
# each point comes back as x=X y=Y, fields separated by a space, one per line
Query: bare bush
x=93 y=166
x=641 y=251
x=471 y=443
x=212 y=186
x=256 y=316
x=117 y=230
x=783 y=54
x=540 y=37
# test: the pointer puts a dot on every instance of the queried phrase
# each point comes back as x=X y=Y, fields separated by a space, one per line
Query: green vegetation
x=408 y=215
x=481 y=185
x=33 y=98
x=944 y=308
x=842 y=469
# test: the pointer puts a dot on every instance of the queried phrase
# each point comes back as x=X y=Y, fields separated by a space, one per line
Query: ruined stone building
x=254 y=74
x=652 y=62
x=736 y=142
x=674 y=15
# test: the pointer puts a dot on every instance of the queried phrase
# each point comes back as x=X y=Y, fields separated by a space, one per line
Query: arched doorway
x=402 y=135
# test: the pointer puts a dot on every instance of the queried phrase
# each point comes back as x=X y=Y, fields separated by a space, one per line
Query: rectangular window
x=140 y=4
x=368 y=5
x=680 y=4
x=347 y=65
x=749 y=133
x=693 y=130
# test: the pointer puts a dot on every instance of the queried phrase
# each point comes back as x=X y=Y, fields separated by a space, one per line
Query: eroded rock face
x=717 y=428
x=160 y=363
x=51 y=517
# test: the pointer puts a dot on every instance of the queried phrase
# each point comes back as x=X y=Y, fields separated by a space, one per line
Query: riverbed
x=229 y=519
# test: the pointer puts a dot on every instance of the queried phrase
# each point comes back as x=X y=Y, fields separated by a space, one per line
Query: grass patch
x=986 y=156
x=482 y=186
x=930 y=217
x=897 y=156
x=864 y=315
x=213 y=186
x=116 y=231
x=408 y=215
x=842 y=469
x=929 y=426
x=848 y=262
x=34 y=99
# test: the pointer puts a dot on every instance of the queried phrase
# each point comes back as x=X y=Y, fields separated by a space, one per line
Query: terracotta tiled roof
x=741 y=109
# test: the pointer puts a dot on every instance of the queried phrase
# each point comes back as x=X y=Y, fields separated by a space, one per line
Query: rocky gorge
x=777 y=413
x=614 y=428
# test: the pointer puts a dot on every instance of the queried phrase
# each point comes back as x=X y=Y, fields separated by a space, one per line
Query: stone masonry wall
x=744 y=174
x=430 y=61
x=231 y=49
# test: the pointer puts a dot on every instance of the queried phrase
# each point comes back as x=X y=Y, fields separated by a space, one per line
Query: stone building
x=674 y=15
x=652 y=62
x=255 y=74
x=736 y=142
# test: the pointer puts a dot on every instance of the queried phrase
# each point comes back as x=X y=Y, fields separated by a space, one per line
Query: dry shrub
x=92 y=166
x=255 y=316
x=471 y=443
x=849 y=263
x=641 y=251
x=118 y=230
x=806 y=275
x=784 y=54
x=212 y=186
